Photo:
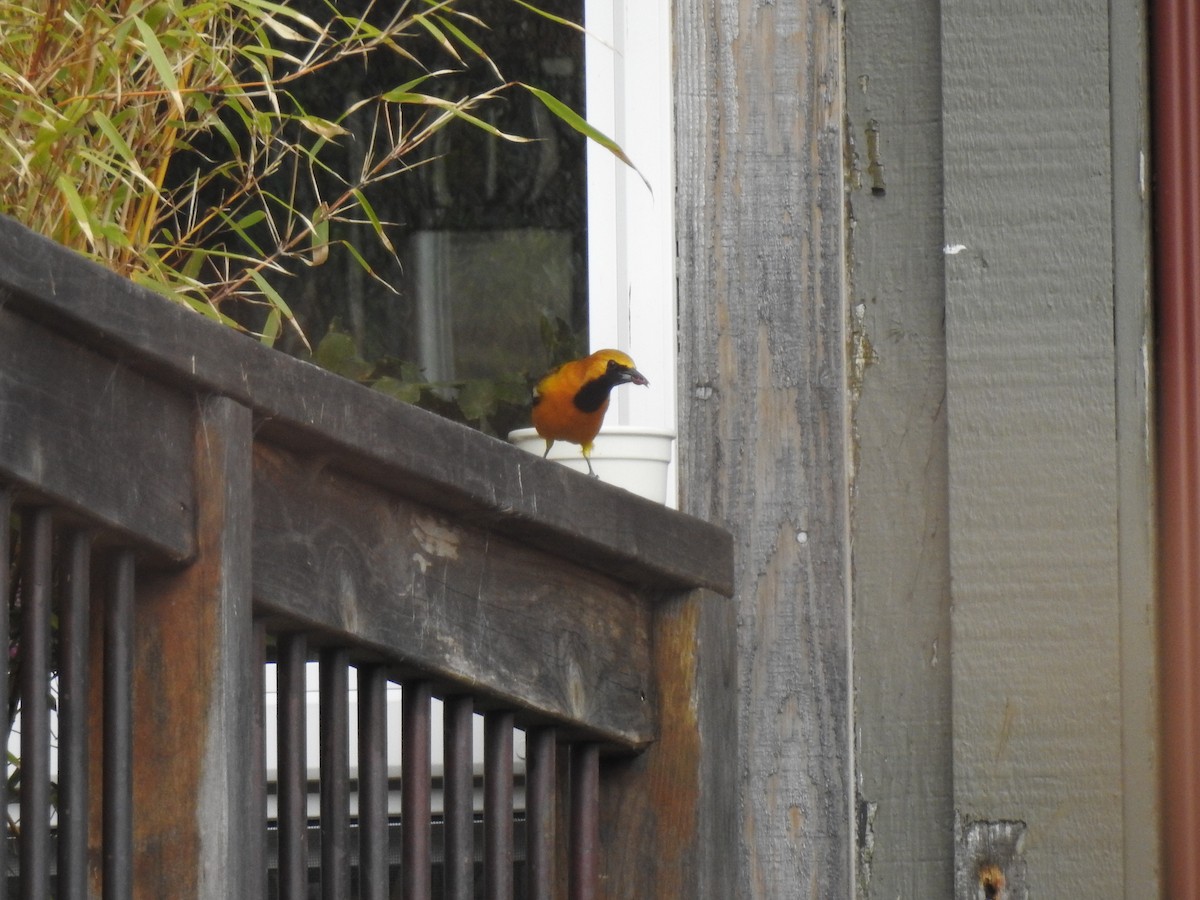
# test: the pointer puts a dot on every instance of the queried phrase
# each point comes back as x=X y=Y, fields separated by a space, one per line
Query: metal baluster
x=540 y=778
x=335 y=773
x=118 y=731
x=415 y=798
x=498 y=805
x=292 y=785
x=459 y=798
x=73 y=721
x=585 y=818
x=372 y=783
x=35 y=709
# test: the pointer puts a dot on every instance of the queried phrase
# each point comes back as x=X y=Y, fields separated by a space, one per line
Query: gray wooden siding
x=937 y=406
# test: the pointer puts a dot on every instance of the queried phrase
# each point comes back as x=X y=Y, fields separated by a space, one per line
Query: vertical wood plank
x=901 y=576
x=763 y=437
x=1035 y=438
x=194 y=680
x=669 y=816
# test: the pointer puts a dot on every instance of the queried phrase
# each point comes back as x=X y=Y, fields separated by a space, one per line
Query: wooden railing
x=190 y=507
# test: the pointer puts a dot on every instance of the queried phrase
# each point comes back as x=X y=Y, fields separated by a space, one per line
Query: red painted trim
x=1176 y=90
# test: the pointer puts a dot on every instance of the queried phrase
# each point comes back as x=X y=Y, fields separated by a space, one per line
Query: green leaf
x=371 y=215
x=271 y=329
x=580 y=124
x=546 y=15
x=162 y=65
x=401 y=390
x=477 y=399
x=337 y=353
x=78 y=209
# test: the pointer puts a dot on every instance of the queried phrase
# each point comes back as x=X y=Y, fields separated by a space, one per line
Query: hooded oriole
x=569 y=403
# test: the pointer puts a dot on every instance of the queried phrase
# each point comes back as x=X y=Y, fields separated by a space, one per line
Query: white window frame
x=631 y=227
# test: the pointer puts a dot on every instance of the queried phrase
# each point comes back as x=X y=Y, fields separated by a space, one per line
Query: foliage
x=104 y=100
x=493 y=405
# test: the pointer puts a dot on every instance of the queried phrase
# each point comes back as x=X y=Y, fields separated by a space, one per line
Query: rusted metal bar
x=498 y=805
x=335 y=773
x=292 y=655
x=585 y=819
x=5 y=589
x=416 y=859
x=540 y=777
x=458 y=797
x=372 y=783
x=35 y=707
x=118 y=731
x=1176 y=94
x=72 y=720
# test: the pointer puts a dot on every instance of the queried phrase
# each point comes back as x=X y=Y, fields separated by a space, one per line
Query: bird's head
x=615 y=367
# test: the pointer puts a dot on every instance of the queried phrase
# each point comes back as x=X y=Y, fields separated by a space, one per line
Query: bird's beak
x=633 y=376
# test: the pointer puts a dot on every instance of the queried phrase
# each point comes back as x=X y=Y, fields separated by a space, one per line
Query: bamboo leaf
x=162 y=65
x=580 y=124
x=361 y=199
x=77 y=207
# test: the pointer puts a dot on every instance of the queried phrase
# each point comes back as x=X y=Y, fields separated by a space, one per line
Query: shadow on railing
x=190 y=511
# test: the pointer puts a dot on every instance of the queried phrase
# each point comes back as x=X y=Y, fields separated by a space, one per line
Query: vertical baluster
x=292 y=778
x=585 y=819
x=372 y=783
x=35 y=709
x=5 y=589
x=257 y=815
x=118 y=731
x=540 y=777
x=415 y=798
x=498 y=805
x=72 y=722
x=459 y=798
x=335 y=773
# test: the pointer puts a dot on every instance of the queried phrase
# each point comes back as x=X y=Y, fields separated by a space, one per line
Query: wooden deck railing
x=191 y=506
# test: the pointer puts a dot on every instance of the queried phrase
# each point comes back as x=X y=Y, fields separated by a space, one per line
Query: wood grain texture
x=669 y=815
x=901 y=582
x=516 y=626
x=1032 y=375
x=95 y=437
x=195 y=826
x=763 y=408
x=409 y=450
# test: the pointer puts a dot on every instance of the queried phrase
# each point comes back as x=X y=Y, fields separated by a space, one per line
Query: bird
x=569 y=403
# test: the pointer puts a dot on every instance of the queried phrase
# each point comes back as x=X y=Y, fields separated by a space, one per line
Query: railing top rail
x=397 y=446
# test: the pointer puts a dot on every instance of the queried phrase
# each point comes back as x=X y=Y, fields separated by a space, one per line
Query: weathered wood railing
x=192 y=506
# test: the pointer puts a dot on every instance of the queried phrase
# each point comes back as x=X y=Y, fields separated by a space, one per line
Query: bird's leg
x=587 y=459
x=549 y=444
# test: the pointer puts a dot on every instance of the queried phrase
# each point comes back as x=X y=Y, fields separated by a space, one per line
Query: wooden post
x=763 y=439
x=194 y=830
x=669 y=817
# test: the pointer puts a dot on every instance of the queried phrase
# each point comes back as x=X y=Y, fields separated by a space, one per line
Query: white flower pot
x=628 y=456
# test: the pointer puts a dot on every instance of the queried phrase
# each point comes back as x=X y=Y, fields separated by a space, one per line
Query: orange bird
x=569 y=404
